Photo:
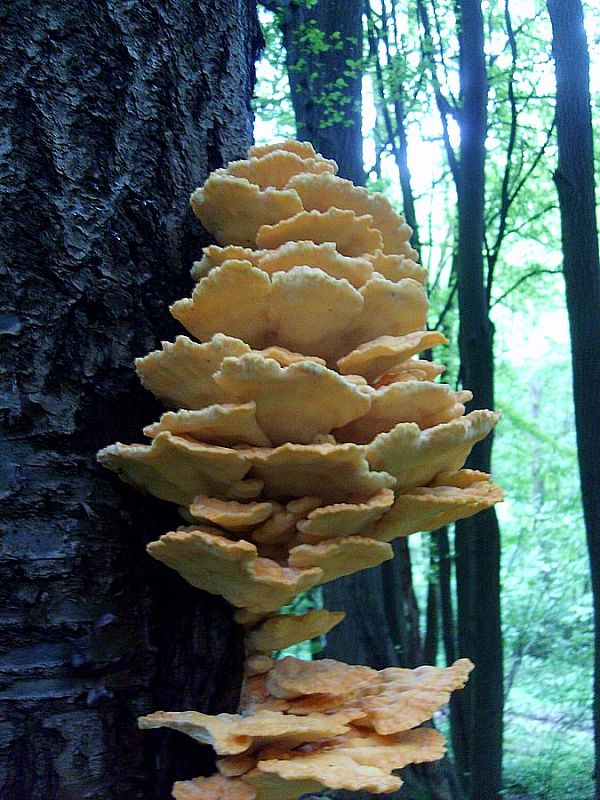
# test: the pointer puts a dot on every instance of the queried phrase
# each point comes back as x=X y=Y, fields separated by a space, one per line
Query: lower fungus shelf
x=307 y=725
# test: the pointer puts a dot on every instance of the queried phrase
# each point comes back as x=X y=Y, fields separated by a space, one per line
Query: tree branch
x=532 y=274
x=447 y=306
x=535 y=162
x=442 y=103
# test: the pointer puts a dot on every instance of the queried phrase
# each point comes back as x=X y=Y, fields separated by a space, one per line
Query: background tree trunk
x=575 y=182
x=477 y=710
x=113 y=112
x=323 y=43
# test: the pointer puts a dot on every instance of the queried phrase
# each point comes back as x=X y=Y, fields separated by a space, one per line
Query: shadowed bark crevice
x=112 y=114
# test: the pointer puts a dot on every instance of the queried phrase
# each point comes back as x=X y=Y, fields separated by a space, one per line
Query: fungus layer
x=321 y=724
x=304 y=434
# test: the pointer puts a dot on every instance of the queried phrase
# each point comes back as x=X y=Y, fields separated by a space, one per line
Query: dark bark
x=581 y=264
x=478 y=741
x=381 y=628
x=323 y=43
x=445 y=560
x=432 y=626
x=112 y=112
x=401 y=606
x=364 y=637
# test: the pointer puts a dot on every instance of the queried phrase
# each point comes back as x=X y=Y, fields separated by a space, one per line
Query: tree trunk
x=323 y=43
x=448 y=623
x=478 y=741
x=113 y=112
x=575 y=182
x=432 y=626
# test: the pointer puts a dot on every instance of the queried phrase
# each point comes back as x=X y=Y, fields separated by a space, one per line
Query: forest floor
x=548 y=744
x=548 y=757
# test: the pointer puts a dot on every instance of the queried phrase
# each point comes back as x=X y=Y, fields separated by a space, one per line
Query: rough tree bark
x=575 y=183
x=112 y=113
x=477 y=717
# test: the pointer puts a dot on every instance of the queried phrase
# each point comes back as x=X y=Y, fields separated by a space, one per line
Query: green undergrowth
x=549 y=746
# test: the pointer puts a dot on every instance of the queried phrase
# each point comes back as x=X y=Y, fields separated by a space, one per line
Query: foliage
x=547 y=756
x=271 y=103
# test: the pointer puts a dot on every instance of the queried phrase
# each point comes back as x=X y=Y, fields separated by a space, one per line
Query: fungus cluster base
x=304 y=435
x=303 y=726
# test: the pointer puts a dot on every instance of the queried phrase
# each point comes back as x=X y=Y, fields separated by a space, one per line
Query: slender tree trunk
x=575 y=182
x=323 y=43
x=432 y=625
x=112 y=113
x=478 y=746
x=401 y=606
x=446 y=607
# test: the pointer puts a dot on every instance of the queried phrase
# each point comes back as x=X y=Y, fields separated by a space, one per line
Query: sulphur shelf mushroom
x=318 y=724
x=302 y=435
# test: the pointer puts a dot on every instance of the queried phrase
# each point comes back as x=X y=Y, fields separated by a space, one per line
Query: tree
x=574 y=179
x=477 y=542
x=323 y=44
x=547 y=640
x=112 y=113
x=477 y=712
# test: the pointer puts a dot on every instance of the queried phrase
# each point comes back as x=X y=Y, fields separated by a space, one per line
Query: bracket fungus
x=321 y=724
x=304 y=435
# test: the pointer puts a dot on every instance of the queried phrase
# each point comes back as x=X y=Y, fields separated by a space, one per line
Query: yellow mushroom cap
x=285 y=630
x=365 y=763
x=232 y=569
x=178 y=469
x=276 y=168
x=294 y=403
x=324 y=256
x=340 y=557
x=217 y=787
x=450 y=497
x=235 y=287
x=344 y=519
x=322 y=192
x=377 y=356
x=415 y=457
x=352 y=234
x=231 y=734
x=428 y=404
x=293 y=677
x=336 y=472
x=302 y=149
x=233 y=209
x=222 y=424
x=396 y=266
